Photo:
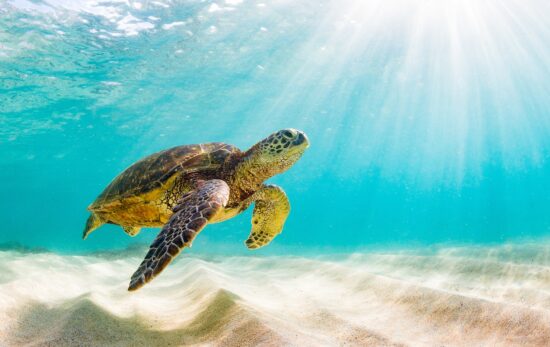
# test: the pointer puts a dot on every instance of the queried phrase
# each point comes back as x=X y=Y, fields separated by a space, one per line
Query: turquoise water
x=429 y=121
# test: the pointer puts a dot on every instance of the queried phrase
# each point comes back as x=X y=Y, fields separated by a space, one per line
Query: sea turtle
x=186 y=187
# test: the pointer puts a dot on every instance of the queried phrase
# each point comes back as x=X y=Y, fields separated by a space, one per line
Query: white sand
x=450 y=297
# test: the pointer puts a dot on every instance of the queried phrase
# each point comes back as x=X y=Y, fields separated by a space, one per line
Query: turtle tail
x=92 y=224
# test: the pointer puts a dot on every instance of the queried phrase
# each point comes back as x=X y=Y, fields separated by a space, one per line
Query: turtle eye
x=287 y=133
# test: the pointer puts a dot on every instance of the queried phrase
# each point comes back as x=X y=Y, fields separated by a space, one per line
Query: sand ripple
x=461 y=296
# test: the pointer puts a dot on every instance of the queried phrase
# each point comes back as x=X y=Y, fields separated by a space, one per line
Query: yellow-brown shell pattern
x=154 y=170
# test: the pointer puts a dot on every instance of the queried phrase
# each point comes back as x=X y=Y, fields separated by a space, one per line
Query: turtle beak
x=301 y=140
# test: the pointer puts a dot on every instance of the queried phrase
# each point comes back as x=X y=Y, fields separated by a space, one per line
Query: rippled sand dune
x=460 y=296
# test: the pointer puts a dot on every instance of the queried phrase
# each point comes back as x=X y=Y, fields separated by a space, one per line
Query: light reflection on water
x=428 y=120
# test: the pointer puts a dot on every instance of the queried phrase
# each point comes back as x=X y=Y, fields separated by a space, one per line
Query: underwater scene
x=361 y=173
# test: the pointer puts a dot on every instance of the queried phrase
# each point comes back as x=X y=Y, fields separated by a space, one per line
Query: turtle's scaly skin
x=187 y=221
x=270 y=212
x=185 y=188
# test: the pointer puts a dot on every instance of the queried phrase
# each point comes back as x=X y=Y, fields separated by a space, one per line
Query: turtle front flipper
x=270 y=212
x=191 y=215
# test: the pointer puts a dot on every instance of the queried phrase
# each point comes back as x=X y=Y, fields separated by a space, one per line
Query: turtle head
x=278 y=152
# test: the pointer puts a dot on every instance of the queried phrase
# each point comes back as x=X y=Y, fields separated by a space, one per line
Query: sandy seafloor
x=444 y=296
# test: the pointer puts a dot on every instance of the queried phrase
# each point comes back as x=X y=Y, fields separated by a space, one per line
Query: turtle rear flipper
x=132 y=231
x=92 y=224
x=190 y=216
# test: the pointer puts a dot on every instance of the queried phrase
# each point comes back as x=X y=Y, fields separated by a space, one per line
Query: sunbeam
x=461 y=85
x=401 y=99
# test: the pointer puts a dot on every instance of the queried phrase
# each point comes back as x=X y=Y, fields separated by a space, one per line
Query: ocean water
x=423 y=197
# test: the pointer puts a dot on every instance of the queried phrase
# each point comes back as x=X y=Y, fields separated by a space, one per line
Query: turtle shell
x=156 y=169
